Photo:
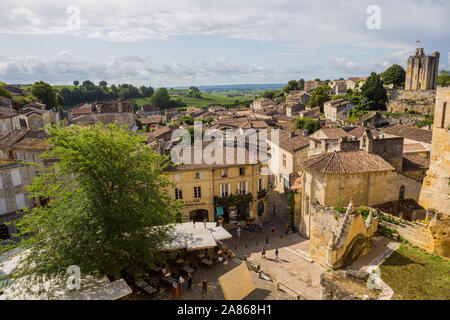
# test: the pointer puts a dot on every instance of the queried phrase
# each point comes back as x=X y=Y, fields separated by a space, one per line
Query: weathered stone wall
x=336 y=239
x=435 y=192
x=420 y=101
x=346 y=285
x=440 y=231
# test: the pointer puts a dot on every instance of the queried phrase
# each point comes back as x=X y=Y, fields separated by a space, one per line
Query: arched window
x=401 y=193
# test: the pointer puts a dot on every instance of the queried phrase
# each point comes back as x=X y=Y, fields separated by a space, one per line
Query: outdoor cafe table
x=187 y=269
x=207 y=262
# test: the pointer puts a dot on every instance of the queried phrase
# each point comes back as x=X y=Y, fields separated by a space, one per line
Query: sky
x=210 y=42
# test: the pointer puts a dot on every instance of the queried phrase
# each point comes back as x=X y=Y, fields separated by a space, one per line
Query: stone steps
x=300 y=254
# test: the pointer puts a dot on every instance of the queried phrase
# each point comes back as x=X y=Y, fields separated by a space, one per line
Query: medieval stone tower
x=435 y=193
x=422 y=71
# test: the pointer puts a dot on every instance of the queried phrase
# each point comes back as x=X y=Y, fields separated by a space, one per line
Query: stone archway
x=198 y=215
x=357 y=248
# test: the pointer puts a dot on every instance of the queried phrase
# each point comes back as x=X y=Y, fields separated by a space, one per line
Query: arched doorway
x=198 y=215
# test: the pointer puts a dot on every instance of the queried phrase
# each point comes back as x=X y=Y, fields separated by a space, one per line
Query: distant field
x=215 y=98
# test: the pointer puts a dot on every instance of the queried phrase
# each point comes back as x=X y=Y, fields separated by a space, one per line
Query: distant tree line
x=88 y=91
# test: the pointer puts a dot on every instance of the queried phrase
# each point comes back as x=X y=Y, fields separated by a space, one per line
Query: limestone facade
x=435 y=192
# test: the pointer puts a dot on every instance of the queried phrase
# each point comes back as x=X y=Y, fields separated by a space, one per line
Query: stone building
x=36 y=117
x=422 y=71
x=339 y=109
x=361 y=175
x=285 y=153
x=9 y=120
x=14 y=179
x=232 y=192
x=435 y=192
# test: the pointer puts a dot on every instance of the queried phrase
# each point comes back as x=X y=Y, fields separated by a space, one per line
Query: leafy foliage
x=107 y=195
x=374 y=92
x=443 y=78
x=306 y=124
x=319 y=96
x=394 y=75
x=5 y=93
x=45 y=93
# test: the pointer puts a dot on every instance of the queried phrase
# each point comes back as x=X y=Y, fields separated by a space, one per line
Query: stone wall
x=336 y=239
x=435 y=192
x=346 y=285
x=420 y=101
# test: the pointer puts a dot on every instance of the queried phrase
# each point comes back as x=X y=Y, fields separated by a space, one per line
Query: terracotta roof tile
x=409 y=132
x=345 y=162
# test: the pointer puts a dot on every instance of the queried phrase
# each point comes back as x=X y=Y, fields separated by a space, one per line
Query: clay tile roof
x=409 y=132
x=335 y=133
x=358 y=132
x=6 y=112
x=292 y=144
x=345 y=162
x=149 y=107
x=415 y=162
x=414 y=147
x=16 y=136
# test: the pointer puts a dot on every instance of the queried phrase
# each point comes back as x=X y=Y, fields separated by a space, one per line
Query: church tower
x=422 y=71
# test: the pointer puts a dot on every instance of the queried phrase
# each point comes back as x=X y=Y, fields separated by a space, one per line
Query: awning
x=219 y=211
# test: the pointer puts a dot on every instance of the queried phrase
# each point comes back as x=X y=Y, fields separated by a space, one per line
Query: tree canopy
x=308 y=124
x=374 y=92
x=161 y=98
x=108 y=193
x=45 y=93
x=443 y=78
x=319 y=96
x=394 y=75
x=5 y=93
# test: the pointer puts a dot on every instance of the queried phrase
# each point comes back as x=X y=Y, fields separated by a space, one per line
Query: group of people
x=178 y=286
x=263 y=252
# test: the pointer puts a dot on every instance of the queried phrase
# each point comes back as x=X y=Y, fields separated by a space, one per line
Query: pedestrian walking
x=189 y=282
x=276 y=254
x=263 y=252
x=238 y=231
x=204 y=288
x=260 y=226
x=273 y=230
x=287 y=228
x=225 y=263
x=181 y=282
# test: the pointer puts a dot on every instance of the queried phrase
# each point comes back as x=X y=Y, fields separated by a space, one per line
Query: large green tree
x=394 y=75
x=373 y=89
x=308 y=124
x=319 y=96
x=291 y=85
x=5 y=93
x=109 y=206
x=161 y=98
x=45 y=93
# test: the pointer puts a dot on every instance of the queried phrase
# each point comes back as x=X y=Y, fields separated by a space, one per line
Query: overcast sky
x=206 y=42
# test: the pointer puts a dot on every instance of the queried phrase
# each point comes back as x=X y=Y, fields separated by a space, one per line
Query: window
x=241 y=171
x=1 y=182
x=401 y=193
x=4 y=234
x=176 y=178
x=225 y=190
x=35 y=157
x=17 y=179
x=260 y=184
x=26 y=156
x=242 y=187
x=4 y=127
x=178 y=194
x=1 y=153
x=3 y=208
x=284 y=160
x=197 y=175
x=224 y=173
x=197 y=192
x=20 y=201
